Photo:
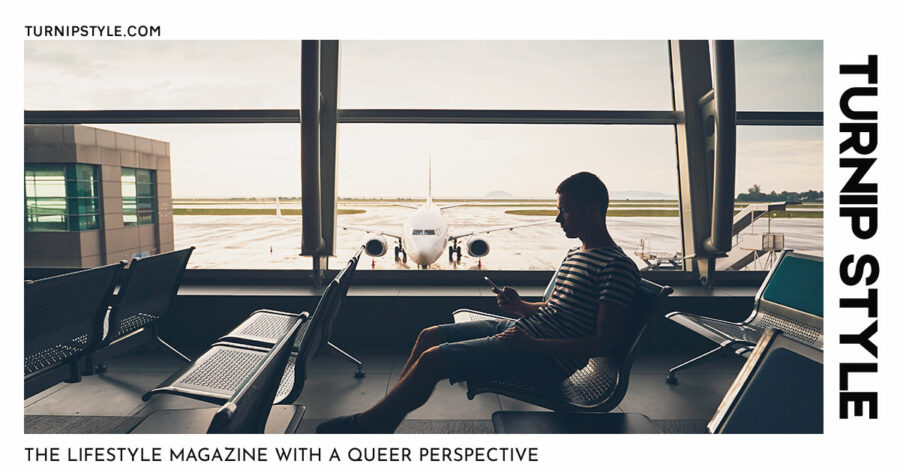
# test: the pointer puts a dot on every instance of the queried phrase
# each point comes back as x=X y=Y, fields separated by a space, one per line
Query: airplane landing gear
x=398 y=251
x=455 y=249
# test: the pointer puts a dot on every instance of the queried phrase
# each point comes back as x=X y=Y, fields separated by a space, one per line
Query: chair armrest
x=687 y=315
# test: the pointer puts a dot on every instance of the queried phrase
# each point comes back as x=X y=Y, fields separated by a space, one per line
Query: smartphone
x=497 y=289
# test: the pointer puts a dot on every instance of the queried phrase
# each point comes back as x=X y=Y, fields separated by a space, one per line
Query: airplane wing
x=371 y=230
x=452 y=205
x=408 y=206
x=496 y=229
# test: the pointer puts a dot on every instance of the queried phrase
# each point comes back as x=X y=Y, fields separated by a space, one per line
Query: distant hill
x=498 y=195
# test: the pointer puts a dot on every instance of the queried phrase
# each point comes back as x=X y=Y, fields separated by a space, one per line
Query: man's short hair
x=585 y=188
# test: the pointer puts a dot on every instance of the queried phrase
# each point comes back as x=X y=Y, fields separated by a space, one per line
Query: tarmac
x=270 y=242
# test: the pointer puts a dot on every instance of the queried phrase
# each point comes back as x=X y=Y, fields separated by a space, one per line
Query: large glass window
x=505 y=175
x=141 y=75
x=236 y=188
x=778 y=75
x=225 y=180
x=549 y=75
x=61 y=197
x=777 y=164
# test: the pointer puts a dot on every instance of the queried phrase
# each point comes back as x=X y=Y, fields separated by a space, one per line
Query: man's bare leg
x=410 y=393
x=427 y=338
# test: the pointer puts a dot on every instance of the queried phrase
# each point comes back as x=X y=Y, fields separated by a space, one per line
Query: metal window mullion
x=509 y=117
x=329 y=64
x=412 y=116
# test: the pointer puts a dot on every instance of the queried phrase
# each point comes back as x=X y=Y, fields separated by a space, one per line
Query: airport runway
x=269 y=242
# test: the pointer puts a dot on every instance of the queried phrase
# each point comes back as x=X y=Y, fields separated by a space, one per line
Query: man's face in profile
x=572 y=215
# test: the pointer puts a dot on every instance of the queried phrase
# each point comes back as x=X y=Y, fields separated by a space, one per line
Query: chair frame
x=111 y=347
x=238 y=335
x=306 y=346
x=67 y=369
x=769 y=341
x=781 y=316
x=222 y=417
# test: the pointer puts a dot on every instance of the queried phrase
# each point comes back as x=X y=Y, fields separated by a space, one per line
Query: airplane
x=425 y=235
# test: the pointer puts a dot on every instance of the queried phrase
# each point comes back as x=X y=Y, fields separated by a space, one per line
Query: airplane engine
x=477 y=246
x=376 y=246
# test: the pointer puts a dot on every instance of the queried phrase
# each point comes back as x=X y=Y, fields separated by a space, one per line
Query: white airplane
x=425 y=235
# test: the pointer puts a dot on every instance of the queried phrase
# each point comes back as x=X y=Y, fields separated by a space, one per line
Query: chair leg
x=671 y=379
x=74 y=372
x=359 y=371
x=88 y=368
x=172 y=349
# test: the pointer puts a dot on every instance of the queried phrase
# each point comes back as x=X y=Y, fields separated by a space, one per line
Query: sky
x=468 y=160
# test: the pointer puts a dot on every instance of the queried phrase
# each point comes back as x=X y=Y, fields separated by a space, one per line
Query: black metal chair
x=778 y=391
x=790 y=299
x=63 y=318
x=266 y=325
x=599 y=386
x=246 y=410
x=211 y=377
x=144 y=298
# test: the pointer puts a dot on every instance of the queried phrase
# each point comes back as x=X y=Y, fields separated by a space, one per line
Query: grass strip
x=191 y=211
x=661 y=213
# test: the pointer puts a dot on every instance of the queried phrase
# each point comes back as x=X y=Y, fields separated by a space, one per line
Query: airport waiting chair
x=599 y=386
x=211 y=377
x=778 y=391
x=247 y=409
x=144 y=298
x=63 y=317
x=790 y=299
x=264 y=326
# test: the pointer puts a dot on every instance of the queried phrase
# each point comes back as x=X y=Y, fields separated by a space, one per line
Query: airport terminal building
x=94 y=197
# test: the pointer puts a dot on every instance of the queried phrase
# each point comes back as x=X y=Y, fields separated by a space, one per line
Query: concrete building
x=94 y=197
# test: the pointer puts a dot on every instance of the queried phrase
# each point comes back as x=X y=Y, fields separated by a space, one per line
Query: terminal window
x=138 y=199
x=61 y=197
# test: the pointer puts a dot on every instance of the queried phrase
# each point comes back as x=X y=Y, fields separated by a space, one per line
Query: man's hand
x=509 y=301
x=518 y=338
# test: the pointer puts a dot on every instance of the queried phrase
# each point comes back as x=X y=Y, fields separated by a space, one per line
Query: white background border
x=850 y=30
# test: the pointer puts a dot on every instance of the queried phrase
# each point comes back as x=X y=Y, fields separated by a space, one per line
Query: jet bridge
x=746 y=249
x=750 y=247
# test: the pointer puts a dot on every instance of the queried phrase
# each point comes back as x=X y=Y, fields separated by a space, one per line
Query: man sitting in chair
x=582 y=319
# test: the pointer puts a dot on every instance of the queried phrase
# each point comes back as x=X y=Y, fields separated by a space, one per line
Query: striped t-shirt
x=585 y=278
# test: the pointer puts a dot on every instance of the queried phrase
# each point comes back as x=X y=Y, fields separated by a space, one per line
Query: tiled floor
x=332 y=390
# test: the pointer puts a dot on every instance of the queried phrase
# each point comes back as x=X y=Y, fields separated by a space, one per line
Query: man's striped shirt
x=585 y=278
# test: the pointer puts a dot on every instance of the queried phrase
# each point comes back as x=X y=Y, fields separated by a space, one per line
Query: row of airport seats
x=243 y=362
x=779 y=388
x=77 y=320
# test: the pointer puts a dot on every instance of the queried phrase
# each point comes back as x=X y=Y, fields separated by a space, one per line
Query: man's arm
x=610 y=319
x=510 y=301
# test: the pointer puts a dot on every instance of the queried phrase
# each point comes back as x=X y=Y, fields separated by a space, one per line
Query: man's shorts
x=472 y=352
